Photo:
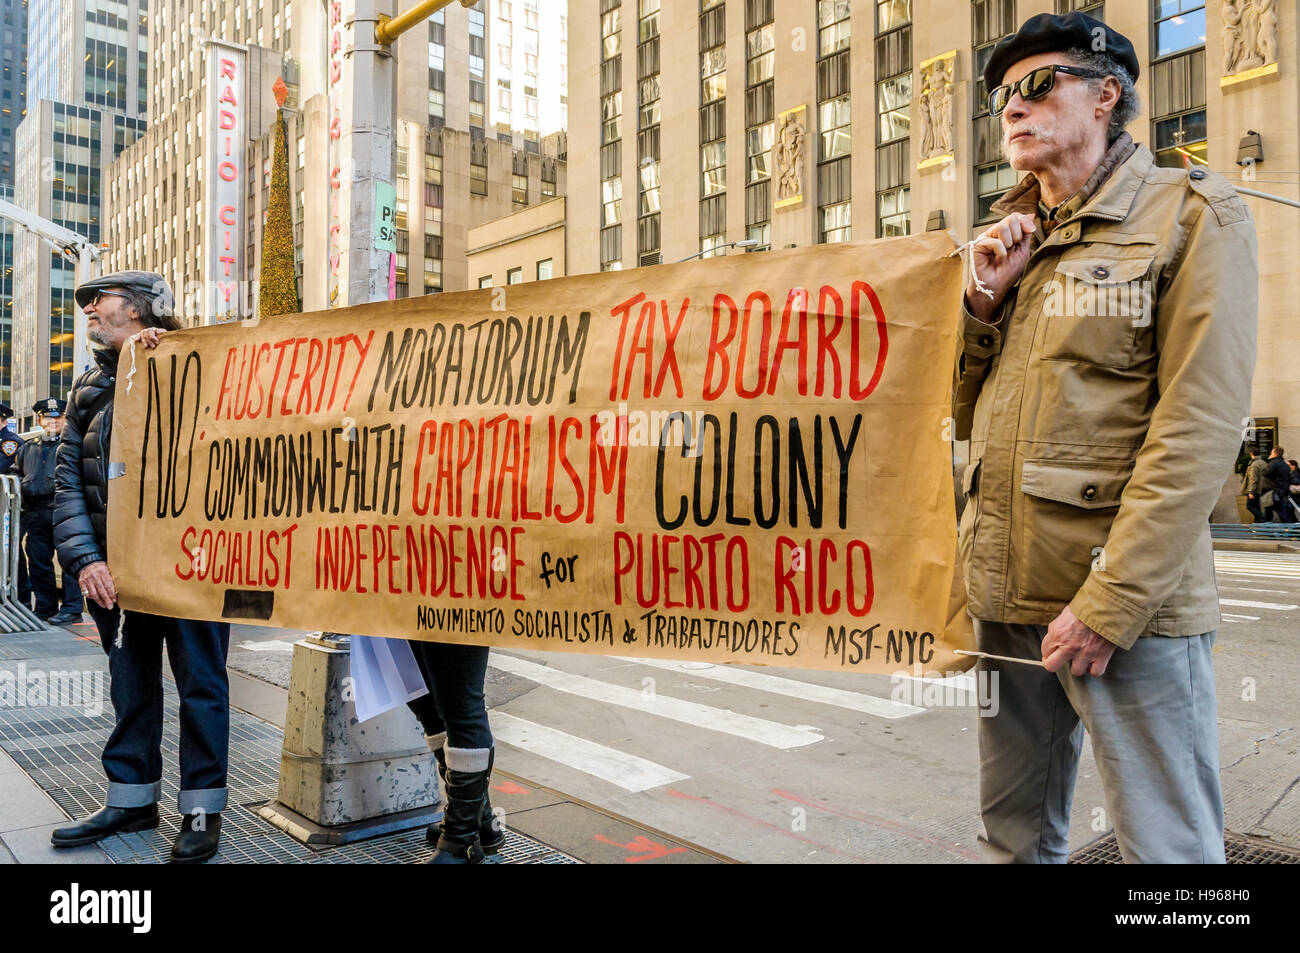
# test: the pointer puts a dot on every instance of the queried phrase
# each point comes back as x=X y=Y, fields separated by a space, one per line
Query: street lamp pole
x=743 y=243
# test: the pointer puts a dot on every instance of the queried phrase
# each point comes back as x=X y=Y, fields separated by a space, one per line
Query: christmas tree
x=278 y=290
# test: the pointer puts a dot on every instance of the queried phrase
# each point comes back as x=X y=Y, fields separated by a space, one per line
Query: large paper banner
x=738 y=460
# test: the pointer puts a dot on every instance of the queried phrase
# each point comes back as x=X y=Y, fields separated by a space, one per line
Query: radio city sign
x=225 y=172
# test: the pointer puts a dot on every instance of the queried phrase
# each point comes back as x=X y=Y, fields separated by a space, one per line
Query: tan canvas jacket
x=1105 y=404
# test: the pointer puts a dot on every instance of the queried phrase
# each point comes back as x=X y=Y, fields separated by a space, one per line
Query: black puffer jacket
x=81 y=472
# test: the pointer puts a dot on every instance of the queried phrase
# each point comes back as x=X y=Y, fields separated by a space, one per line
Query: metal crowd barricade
x=14 y=616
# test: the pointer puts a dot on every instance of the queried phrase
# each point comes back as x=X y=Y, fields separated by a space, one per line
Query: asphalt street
x=768 y=764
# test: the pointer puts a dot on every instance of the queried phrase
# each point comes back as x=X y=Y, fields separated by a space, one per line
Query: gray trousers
x=1153 y=718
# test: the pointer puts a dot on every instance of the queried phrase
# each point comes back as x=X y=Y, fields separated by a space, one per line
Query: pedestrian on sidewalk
x=1252 y=484
x=1099 y=434
x=34 y=467
x=455 y=722
x=136 y=306
x=1294 y=489
x=1277 y=485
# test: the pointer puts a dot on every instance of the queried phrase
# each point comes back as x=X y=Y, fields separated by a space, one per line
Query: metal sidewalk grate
x=60 y=747
x=1238 y=848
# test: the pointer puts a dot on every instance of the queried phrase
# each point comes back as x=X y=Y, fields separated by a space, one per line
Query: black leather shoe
x=106 y=822
x=64 y=617
x=194 y=846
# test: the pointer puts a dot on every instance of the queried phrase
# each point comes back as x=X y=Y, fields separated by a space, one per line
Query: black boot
x=194 y=845
x=462 y=816
x=491 y=832
x=106 y=822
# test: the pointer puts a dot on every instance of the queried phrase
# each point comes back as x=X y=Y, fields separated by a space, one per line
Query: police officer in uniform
x=35 y=468
x=9 y=441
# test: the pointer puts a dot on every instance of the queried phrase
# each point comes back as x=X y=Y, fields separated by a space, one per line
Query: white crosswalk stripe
x=760 y=730
x=1248 y=604
x=792 y=688
x=627 y=771
x=1258 y=565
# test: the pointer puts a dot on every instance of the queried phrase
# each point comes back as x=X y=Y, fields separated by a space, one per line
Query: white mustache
x=1042 y=135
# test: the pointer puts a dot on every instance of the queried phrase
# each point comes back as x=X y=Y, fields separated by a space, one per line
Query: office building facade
x=697 y=124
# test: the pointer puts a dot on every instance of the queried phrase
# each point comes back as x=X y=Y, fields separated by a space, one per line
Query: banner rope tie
x=132 y=339
x=121 y=627
x=965 y=248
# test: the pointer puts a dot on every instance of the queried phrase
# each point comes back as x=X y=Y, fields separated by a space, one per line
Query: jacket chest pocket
x=1095 y=305
x=1067 y=512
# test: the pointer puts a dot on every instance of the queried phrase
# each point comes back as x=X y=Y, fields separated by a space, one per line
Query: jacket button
x=1197 y=174
x=1101 y=271
x=1090 y=491
x=985 y=340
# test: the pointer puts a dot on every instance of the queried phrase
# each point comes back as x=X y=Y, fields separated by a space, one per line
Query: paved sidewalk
x=50 y=772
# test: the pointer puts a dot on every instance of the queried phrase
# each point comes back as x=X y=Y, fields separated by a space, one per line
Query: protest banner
x=745 y=459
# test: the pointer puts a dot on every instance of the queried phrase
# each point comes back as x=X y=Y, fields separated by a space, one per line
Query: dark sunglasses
x=1035 y=85
x=100 y=294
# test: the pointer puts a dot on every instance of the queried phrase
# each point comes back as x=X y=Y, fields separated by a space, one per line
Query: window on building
x=1180 y=25
x=611 y=117
x=832 y=26
x=760 y=54
x=893 y=106
x=713 y=72
x=611 y=202
x=894 y=212
x=648 y=12
x=545 y=268
x=836 y=138
x=648 y=90
x=478 y=179
x=990 y=21
x=991 y=181
x=758 y=152
x=713 y=167
x=611 y=33
x=649 y=187
x=515 y=276
x=1094 y=8
x=762 y=234
x=837 y=222
x=519 y=189
x=1181 y=140
x=485 y=281
x=712 y=245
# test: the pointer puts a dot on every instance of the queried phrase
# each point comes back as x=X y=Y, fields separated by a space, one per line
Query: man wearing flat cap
x=120 y=308
x=1107 y=349
x=35 y=470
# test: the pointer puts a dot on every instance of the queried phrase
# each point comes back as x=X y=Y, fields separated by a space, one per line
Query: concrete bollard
x=340 y=779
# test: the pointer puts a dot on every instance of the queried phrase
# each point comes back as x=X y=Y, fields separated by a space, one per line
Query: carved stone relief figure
x=934 y=109
x=1249 y=30
x=790 y=138
x=1232 y=39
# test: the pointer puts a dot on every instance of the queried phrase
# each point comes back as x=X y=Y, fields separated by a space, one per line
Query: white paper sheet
x=384 y=675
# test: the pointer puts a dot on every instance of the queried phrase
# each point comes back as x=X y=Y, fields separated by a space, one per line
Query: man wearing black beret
x=1107 y=348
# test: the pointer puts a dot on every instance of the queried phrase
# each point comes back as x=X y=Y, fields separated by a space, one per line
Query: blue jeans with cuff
x=133 y=756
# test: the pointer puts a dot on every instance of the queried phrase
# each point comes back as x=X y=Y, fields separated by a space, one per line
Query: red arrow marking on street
x=644 y=847
x=509 y=787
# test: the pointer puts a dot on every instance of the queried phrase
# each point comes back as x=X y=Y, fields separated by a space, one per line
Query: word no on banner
x=735 y=460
